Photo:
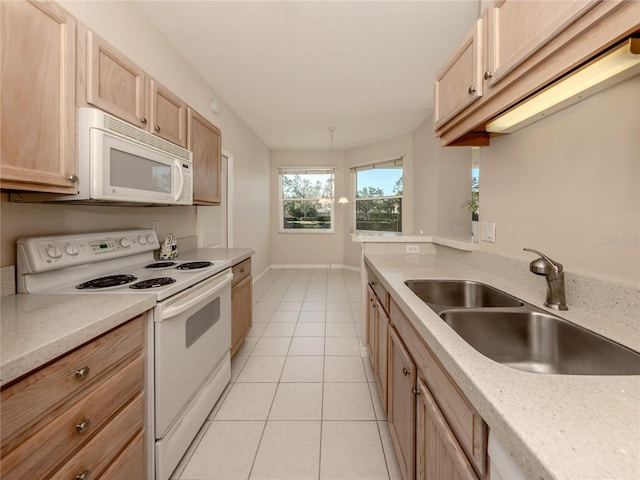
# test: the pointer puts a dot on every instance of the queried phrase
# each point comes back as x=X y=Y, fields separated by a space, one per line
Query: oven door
x=192 y=336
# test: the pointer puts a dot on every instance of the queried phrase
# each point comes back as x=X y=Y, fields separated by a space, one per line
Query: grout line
x=316 y=280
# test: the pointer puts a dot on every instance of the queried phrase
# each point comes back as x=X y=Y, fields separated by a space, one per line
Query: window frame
x=308 y=170
x=397 y=161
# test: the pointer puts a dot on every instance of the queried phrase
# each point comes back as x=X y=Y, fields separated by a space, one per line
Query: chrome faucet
x=555 y=279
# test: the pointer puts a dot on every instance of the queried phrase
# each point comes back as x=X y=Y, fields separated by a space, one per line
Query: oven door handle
x=208 y=290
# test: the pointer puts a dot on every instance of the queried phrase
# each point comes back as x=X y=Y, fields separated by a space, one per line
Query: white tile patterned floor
x=302 y=403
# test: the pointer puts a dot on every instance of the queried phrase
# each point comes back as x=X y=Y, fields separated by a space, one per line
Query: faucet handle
x=539 y=266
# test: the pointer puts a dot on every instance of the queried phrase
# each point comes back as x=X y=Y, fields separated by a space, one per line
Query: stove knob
x=72 y=250
x=142 y=240
x=54 y=252
x=125 y=243
x=151 y=239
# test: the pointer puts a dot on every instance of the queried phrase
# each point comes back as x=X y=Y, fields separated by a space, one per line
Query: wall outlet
x=412 y=249
x=155 y=225
x=488 y=232
x=457 y=228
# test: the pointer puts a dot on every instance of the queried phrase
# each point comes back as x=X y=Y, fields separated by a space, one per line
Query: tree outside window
x=379 y=191
x=307 y=199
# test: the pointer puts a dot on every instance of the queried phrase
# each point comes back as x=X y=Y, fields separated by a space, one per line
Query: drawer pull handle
x=488 y=75
x=415 y=391
x=82 y=373
x=83 y=476
x=143 y=120
x=405 y=371
x=83 y=426
x=472 y=90
x=157 y=128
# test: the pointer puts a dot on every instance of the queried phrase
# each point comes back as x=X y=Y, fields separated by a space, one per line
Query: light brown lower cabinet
x=378 y=333
x=81 y=416
x=241 y=304
x=402 y=404
x=438 y=453
x=436 y=432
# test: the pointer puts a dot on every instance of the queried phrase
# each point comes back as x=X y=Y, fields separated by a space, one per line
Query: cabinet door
x=382 y=337
x=240 y=313
x=459 y=82
x=518 y=29
x=438 y=453
x=203 y=139
x=402 y=404
x=372 y=308
x=37 y=106
x=167 y=114
x=114 y=83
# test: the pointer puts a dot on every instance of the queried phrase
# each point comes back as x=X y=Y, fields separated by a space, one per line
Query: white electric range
x=188 y=337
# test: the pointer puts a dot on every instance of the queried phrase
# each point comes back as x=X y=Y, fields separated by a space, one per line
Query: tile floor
x=302 y=403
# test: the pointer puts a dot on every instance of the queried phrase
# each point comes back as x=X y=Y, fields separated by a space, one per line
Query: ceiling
x=292 y=69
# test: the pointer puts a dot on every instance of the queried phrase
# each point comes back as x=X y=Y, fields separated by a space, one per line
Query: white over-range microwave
x=122 y=164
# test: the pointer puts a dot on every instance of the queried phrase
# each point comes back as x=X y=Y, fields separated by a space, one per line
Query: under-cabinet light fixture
x=615 y=66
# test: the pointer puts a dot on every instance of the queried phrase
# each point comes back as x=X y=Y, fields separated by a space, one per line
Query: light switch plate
x=488 y=232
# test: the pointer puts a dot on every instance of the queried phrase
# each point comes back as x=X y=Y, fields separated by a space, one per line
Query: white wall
x=442 y=183
x=569 y=186
x=308 y=248
x=121 y=25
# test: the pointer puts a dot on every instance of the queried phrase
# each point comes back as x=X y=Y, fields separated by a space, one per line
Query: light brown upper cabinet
x=525 y=46
x=118 y=86
x=37 y=110
x=167 y=114
x=203 y=139
x=459 y=82
x=518 y=29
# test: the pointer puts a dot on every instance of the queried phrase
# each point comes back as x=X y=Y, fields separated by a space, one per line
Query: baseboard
x=261 y=274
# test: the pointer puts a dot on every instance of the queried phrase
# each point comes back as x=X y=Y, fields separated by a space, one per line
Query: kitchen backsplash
x=8 y=280
x=593 y=295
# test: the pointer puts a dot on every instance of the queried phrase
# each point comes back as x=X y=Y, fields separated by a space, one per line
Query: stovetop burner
x=160 y=265
x=104 y=282
x=153 y=283
x=193 y=265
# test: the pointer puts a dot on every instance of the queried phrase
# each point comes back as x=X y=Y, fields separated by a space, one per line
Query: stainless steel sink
x=444 y=294
x=539 y=342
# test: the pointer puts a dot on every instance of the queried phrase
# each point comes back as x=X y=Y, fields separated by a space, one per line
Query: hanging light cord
x=331 y=130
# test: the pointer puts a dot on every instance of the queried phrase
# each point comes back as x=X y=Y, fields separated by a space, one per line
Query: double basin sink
x=519 y=335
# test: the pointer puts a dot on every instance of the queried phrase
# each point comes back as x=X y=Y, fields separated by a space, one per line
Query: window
x=306 y=200
x=378 y=205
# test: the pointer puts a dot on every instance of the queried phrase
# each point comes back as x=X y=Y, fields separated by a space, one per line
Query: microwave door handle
x=180 y=176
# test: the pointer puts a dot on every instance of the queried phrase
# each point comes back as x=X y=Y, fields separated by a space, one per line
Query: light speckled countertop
x=36 y=329
x=554 y=426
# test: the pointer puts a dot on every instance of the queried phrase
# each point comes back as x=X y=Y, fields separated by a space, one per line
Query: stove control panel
x=40 y=254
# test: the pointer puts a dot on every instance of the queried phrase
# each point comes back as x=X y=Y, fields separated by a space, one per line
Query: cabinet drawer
x=104 y=447
x=241 y=271
x=464 y=420
x=27 y=403
x=48 y=447
x=378 y=289
x=130 y=463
